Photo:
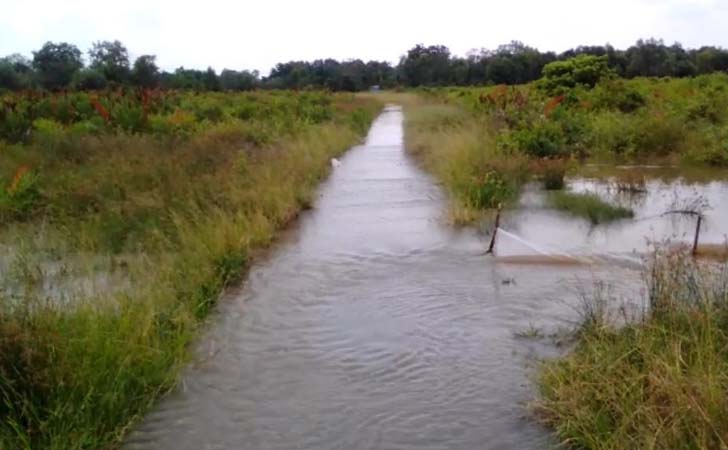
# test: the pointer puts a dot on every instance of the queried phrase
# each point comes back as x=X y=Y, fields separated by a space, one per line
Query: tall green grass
x=660 y=380
x=175 y=220
x=461 y=151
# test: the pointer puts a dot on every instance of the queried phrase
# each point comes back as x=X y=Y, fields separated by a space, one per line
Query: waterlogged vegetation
x=657 y=380
x=651 y=379
x=124 y=213
x=484 y=142
x=126 y=209
x=589 y=206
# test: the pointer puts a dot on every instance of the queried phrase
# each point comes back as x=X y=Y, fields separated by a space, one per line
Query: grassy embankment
x=482 y=143
x=658 y=382
x=123 y=218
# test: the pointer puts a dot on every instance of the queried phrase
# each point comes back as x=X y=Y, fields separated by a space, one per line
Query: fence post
x=697 y=234
x=495 y=230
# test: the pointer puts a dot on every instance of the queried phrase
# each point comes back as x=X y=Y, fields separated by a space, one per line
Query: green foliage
x=589 y=206
x=19 y=197
x=89 y=80
x=56 y=64
x=145 y=72
x=490 y=190
x=582 y=70
x=231 y=80
x=542 y=139
x=10 y=78
x=48 y=135
x=618 y=94
x=111 y=59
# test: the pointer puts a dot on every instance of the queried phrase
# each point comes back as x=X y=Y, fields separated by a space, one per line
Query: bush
x=658 y=133
x=19 y=198
x=179 y=123
x=582 y=70
x=49 y=134
x=612 y=133
x=542 y=139
x=489 y=190
x=620 y=95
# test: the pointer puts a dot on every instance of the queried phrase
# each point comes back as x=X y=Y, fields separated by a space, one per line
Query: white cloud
x=256 y=35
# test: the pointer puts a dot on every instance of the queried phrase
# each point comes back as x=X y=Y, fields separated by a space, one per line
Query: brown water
x=374 y=325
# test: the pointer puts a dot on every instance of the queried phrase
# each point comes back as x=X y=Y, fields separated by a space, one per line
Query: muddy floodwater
x=375 y=325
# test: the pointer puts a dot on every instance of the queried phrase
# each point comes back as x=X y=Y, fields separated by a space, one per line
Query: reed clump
x=588 y=205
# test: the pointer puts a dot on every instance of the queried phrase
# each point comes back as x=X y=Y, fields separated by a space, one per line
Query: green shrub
x=179 y=123
x=489 y=190
x=541 y=139
x=618 y=94
x=19 y=198
x=612 y=133
x=49 y=134
x=710 y=147
x=129 y=117
x=658 y=133
x=583 y=70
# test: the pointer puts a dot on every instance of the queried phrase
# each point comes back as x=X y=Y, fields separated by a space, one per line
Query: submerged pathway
x=371 y=326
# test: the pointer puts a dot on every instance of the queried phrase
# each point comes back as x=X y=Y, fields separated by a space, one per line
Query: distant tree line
x=61 y=66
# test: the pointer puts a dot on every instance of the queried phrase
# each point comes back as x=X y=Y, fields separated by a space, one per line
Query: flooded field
x=625 y=240
x=374 y=324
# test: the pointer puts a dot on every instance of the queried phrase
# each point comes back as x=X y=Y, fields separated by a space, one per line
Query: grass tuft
x=589 y=206
x=658 y=381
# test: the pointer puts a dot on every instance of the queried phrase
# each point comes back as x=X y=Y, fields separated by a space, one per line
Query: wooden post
x=697 y=234
x=495 y=230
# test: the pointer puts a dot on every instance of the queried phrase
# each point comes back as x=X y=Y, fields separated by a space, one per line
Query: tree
x=582 y=70
x=232 y=80
x=15 y=72
x=711 y=59
x=648 y=58
x=210 y=82
x=9 y=78
x=145 y=72
x=89 y=80
x=429 y=66
x=56 y=64
x=110 y=58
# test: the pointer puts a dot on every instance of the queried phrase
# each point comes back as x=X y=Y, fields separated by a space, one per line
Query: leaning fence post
x=697 y=234
x=495 y=230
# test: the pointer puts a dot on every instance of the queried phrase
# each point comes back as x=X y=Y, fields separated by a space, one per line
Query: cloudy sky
x=251 y=35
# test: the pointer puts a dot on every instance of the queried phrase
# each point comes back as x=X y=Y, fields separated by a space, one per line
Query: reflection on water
x=373 y=325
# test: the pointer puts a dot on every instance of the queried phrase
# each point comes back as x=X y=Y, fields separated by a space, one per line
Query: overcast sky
x=257 y=34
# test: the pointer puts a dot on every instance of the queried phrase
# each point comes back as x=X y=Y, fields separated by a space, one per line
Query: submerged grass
x=177 y=219
x=589 y=206
x=658 y=382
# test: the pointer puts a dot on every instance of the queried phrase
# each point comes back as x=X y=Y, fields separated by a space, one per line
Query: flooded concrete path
x=372 y=325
